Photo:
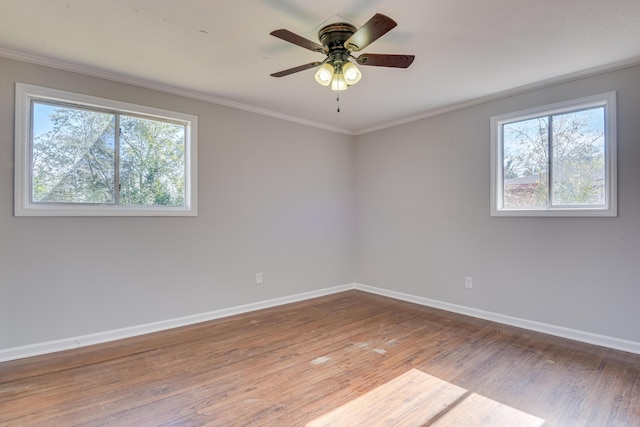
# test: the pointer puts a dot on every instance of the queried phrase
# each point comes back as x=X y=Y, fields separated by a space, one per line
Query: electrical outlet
x=258 y=278
x=468 y=282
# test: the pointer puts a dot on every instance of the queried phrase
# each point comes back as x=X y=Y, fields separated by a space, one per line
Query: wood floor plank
x=299 y=363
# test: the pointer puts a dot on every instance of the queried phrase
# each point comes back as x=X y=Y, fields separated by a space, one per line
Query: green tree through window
x=556 y=160
x=75 y=152
x=573 y=141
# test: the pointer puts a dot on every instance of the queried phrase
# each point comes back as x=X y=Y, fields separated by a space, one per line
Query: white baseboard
x=573 y=334
x=116 y=334
x=101 y=337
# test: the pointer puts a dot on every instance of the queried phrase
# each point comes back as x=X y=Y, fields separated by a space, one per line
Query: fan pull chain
x=338 y=101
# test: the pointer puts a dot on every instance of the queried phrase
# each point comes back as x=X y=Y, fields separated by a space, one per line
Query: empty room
x=344 y=213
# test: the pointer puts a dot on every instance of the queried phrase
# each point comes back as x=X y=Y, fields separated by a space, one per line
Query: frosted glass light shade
x=352 y=74
x=325 y=74
x=338 y=82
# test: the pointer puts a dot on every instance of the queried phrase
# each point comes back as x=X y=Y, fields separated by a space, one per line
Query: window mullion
x=549 y=162
x=116 y=156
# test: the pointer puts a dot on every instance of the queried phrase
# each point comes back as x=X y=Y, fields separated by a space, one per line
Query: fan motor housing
x=333 y=36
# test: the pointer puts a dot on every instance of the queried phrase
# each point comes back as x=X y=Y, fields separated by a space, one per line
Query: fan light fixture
x=338 y=41
x=339 y=76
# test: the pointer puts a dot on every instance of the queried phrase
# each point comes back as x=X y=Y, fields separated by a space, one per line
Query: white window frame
x=25 y=93
x=608 y=209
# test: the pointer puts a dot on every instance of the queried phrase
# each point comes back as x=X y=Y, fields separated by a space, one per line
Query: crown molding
x=148 y=84
x=632 y=62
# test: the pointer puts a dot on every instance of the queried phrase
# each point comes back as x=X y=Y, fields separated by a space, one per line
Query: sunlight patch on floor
x=417 y=398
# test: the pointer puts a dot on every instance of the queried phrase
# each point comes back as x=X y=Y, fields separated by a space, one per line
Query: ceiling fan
x=338 y=41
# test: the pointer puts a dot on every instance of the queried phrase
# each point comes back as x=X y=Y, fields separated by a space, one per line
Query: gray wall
x=405 y=209
x=274 y=197
x=423 y=224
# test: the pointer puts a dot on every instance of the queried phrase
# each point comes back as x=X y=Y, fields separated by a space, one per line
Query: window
x=556 y=160
x=79 y=155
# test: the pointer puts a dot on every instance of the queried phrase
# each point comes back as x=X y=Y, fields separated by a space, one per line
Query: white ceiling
x=465 y=50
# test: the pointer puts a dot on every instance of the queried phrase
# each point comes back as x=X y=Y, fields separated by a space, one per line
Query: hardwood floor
x=342 y=354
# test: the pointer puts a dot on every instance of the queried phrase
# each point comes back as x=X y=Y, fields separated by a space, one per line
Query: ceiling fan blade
x=296 y=69
x=290 y=37
x=371 y=31
x=385 y=60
